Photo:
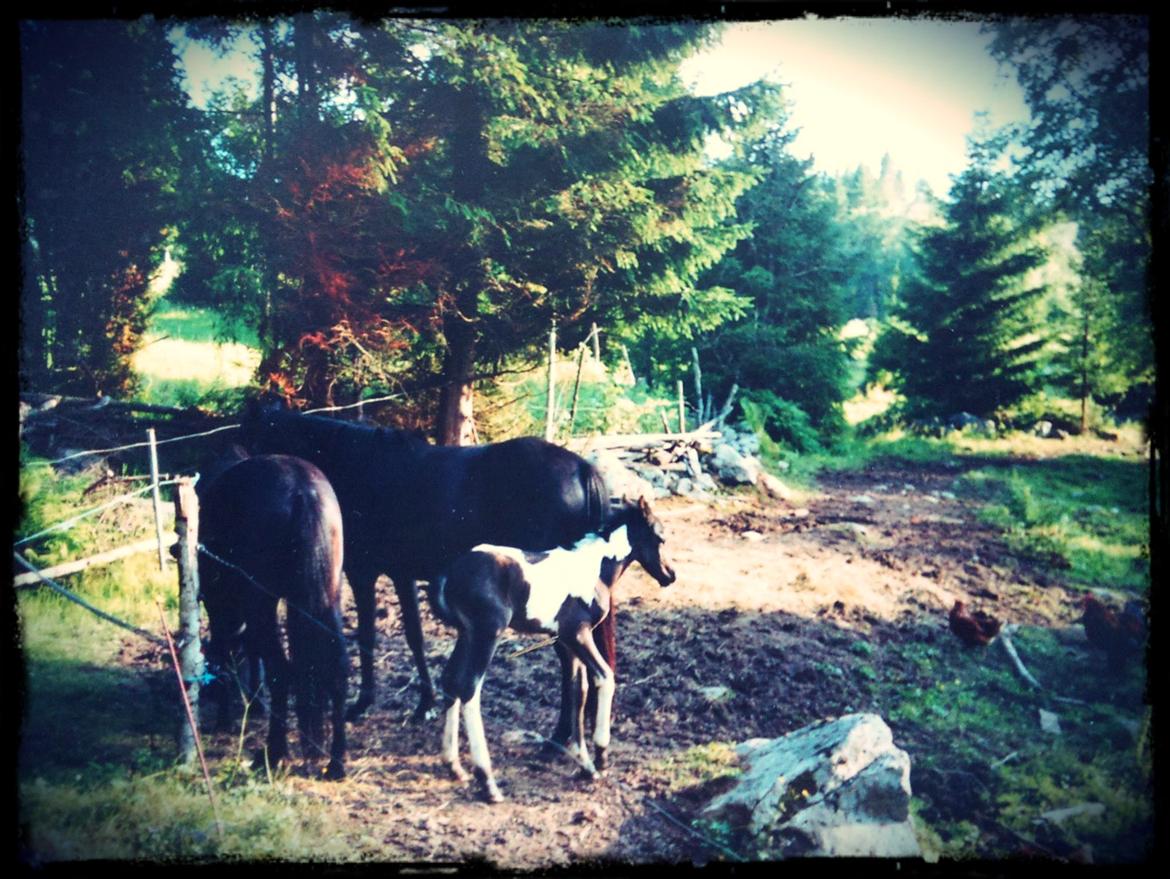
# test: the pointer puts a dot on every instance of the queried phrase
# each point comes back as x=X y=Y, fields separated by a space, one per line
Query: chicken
x=1122 y=636
x=973 y=627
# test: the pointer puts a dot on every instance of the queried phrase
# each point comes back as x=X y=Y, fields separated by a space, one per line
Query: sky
x=862 y=88
x=859 y=88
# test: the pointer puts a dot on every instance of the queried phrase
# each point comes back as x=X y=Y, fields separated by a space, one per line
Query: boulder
x=775 y=487
x=835 y=788
x=733 y=467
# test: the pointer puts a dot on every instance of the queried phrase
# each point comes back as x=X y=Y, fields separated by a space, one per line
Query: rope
x=203 y=549
x=353 y=405
x=73 y=520
x=57 y=587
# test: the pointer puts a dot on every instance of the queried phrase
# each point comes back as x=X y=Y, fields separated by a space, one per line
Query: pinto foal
x=565 y=592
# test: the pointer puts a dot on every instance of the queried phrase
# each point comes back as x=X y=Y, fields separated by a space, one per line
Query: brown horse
x=271 y=530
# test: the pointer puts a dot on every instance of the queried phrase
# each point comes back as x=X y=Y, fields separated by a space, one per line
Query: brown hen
x=1121 y=636
x=973 y=627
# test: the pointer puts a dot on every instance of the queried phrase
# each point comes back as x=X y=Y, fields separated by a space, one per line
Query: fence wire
x=73 y=520
x=74 y=597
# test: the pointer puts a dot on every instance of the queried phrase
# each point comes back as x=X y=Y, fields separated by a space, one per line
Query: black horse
x=411 y=507
x=271 y=528
x=567 y=592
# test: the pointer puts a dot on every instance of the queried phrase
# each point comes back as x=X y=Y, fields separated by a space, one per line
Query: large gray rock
x=733 y=467
x=835 y=788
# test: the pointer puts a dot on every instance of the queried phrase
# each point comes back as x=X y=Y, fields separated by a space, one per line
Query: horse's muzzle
x=667 y=577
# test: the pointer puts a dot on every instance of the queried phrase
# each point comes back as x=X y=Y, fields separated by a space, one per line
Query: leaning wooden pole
x=576 y=387
x=157 y=500
x=550 y=405
x=190 y=648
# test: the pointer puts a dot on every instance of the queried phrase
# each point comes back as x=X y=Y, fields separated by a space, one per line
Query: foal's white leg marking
x=451 y=741
x=605 y=689
x=477 y=743
x=577 y=750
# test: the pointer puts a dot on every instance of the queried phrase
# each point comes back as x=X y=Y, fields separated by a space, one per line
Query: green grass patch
x=697 y=765
x=1088 y=513
x=1000 y=771
x=193 y=324
x=166 y=816
x=191 y=357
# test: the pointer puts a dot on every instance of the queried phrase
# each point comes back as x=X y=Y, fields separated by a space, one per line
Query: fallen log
x=640 y=440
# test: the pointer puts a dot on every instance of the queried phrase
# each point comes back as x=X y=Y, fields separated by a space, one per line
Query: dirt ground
x=769 y=597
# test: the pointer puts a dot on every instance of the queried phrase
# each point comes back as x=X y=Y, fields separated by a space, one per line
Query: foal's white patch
x=564 y=573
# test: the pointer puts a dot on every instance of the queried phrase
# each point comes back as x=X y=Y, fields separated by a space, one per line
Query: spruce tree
x=963 y=338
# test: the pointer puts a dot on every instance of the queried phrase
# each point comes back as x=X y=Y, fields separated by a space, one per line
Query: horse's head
x=647 y=536
x=261 y=416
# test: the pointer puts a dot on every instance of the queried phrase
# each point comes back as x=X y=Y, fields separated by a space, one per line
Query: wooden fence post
x=682 y=416
x=596 y=336
x=158 y=528
x=550 y=405
x=702 y=416
x=190 y=647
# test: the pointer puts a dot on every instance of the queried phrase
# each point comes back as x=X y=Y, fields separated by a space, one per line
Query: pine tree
x=101 y=140
x=963 y=338
x=793 y=269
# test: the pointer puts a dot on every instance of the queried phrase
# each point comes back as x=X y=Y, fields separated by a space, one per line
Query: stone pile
x=690 y=465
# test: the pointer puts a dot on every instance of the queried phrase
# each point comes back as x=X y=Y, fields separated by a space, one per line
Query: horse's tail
x=596 y=496
x=318 y=561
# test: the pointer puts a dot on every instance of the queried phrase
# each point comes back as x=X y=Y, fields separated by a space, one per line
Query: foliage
x=1085 y=155
x=1087 y=514
x=876 y=214
x=791 y=269
x=962 y=339
x=777 y=420
x=101 y=139
x=431 y=194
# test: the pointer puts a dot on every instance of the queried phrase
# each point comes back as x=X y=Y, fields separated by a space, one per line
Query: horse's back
x=537 y=495
x=277 y=512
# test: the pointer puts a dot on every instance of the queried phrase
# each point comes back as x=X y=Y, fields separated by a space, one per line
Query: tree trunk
x=1085 y=374
x=268 y=62
x=456 y=425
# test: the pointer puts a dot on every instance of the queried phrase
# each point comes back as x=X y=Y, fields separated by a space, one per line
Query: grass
x=1089 y=513
x=95 y=771
x=999 y=765
x=190 y=358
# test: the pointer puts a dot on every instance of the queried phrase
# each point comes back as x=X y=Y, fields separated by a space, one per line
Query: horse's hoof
x=458 y=772
x=590 y=775
x=335 y=771
x=424 y=713
x=488 y=787
x=492 y=795
x=601 y=760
